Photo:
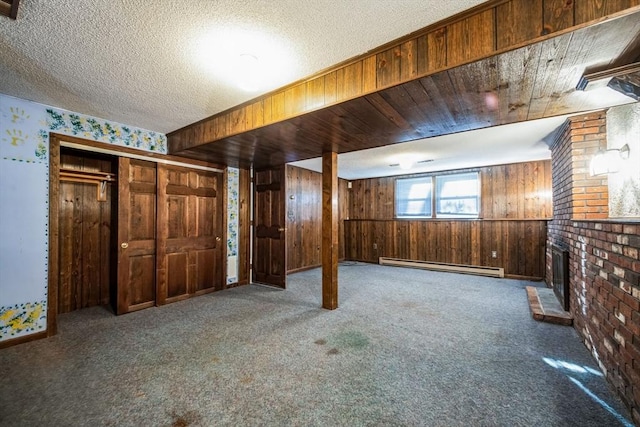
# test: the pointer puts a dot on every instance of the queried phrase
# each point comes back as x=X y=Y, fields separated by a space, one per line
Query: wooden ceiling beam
x=479 y=34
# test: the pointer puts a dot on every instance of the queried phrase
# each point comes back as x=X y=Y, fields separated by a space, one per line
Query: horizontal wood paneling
x=304 y=217
x=513 y=191
x=492 y=27
x=519 y=244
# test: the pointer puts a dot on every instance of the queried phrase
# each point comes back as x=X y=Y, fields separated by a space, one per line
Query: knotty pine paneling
x=86 y=234
x=244 y=226
x=372 y=198
x=516 y=191
x=519 y=244
x=515 y=29
x=513 y=191
x=586 y=11
x=304 y=218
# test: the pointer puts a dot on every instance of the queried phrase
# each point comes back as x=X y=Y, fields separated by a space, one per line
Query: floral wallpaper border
x=20 y=318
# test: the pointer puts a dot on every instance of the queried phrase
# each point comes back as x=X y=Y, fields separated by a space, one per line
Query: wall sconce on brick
x=608 y=161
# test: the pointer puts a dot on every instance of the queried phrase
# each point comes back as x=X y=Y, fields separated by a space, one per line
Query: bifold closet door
x=190 y=234
x=136 y=235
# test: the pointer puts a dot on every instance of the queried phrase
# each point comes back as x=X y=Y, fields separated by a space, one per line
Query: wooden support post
x=330 y=231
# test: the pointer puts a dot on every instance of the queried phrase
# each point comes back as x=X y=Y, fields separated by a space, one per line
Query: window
x=456 y=196
x=413 y=197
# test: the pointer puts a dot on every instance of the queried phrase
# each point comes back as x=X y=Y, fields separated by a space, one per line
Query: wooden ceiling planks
x=534 y=81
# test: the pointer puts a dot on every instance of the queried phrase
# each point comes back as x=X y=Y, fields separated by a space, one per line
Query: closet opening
x=87 y=230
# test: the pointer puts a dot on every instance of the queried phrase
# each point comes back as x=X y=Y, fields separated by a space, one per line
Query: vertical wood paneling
x=558 y=15
x=471 y=38
x=84 y=246
x=343 y=214
x=315 y=93
x=349 y=81
x=519 y=245
x=422 y=55
x=236 y=121
x=257 y=113
x=389 y=63
x=330 y=88
x=295 y=100
x=408 y=60
x=514 y=191
x=512 y=28
x=437 y=49
x=244 y=225
x=369 y=74
x=304 y=217
x=517 y=191
x=586 y=11
x=278 y=107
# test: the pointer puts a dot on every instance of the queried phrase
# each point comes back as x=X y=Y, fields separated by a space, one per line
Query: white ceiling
x=164 y=64
x=512 y=143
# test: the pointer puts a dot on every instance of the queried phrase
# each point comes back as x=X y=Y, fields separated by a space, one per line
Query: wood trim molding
x=54 y=235
x=21 y=340
x=9 y=8
x=121 y=151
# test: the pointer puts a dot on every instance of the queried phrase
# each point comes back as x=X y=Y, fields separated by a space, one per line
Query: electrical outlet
x=375 y=246
x=494 y=254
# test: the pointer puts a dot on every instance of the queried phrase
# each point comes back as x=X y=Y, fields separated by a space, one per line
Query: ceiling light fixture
x=406 y=164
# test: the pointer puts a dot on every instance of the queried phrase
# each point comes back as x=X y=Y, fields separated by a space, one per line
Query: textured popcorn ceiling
x=162 y=64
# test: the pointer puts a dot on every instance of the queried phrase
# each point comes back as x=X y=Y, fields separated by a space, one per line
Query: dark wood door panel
x=141 y=281
x=190 y=253
x=136 y=235
x=269 y=257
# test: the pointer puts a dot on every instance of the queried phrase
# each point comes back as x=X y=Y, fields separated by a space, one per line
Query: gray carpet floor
x=405 y=348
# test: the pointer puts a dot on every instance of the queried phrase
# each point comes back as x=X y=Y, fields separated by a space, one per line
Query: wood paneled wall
x=515 y=204
x=244 y=226
x=513 y=191
x=85 y=227
x=482 y=31
x=304 y=218
x=517 y=191
x=519 y=244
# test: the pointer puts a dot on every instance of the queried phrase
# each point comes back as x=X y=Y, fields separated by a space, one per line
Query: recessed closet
x=130 y=231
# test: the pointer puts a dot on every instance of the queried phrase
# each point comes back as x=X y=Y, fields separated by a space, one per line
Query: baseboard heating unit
x=440 y=266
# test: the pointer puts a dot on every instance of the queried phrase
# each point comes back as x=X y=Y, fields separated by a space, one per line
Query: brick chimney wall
x=604 y=260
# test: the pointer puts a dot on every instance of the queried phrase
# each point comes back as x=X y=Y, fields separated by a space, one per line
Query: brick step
x=545 y=307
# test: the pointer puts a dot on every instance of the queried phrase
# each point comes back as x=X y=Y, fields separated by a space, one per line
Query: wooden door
x=190 y=233
x=269 y=253
x=136 y=288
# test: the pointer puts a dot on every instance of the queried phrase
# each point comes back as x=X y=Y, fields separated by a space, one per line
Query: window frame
x=395 y=197
x=435 y=196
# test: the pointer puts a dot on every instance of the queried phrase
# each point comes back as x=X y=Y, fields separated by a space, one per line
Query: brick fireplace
x=603 y=257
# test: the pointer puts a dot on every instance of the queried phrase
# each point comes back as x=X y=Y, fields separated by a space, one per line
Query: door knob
x=124 y=245
x=281 y=229
x=218 y=238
